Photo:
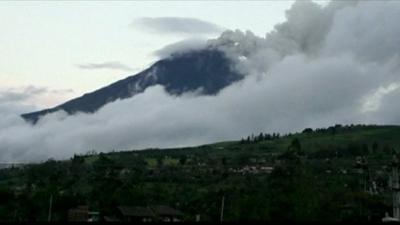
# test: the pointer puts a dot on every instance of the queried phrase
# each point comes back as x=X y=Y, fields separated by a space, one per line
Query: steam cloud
x=324 y=65
x=182 y=46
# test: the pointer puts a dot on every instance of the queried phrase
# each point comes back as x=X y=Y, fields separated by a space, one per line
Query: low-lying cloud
x=20 y=94
x=112 y=65
x=29 y=96
x=298 y=76
x=177 y=25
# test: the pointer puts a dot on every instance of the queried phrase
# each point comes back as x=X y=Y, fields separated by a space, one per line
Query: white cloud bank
x=324 y=65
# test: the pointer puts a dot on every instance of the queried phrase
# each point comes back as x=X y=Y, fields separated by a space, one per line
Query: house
x=253 y=160
x=267 y=169
x=93 y=216
x=82 y=214
x=167 y=214
x=78 y=214
x=136 y=213
x=252 y=169
x=262 y=160
x=111 y=219
x=387 y=218
x=19 y=189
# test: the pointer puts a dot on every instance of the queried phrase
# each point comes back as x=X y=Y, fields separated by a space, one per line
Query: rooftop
x=135 y=211
x=163 y=210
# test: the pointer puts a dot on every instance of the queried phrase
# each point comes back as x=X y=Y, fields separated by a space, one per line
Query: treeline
x=260 y=137
x=353 y=149
x=338 y=127
x=329 y=130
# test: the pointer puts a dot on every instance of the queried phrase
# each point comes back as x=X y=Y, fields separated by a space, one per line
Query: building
x=148 y=214
x=167 y=214
x=82 y=214
x=111 y=219
x=78 y=214
x=136 y=214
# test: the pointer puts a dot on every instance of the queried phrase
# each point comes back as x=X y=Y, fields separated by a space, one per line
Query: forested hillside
x=340 y=173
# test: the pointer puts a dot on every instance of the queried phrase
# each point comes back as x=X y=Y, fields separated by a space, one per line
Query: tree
x=293 y=193
x=295 y=145
x=223 y=161
x=260 y=137
x=374 y=147
x=182 y=160
x=160 y=162
x=387 y=150
x=307 y=131
x=332 y=130
x=365 y=149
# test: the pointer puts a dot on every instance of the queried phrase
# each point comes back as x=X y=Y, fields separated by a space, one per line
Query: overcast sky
x=80 y=46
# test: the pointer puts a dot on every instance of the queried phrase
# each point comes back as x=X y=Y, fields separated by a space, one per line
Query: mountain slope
x=207 y=69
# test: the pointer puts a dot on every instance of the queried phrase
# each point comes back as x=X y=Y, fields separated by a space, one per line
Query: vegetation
x=335 y=174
